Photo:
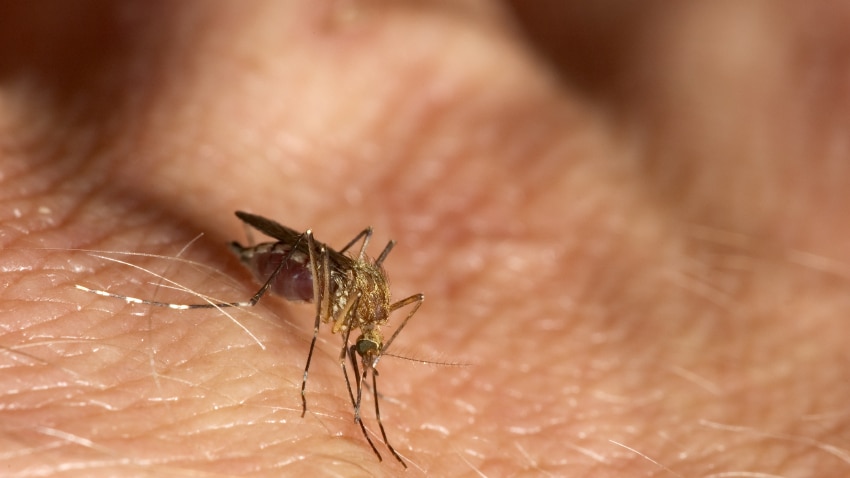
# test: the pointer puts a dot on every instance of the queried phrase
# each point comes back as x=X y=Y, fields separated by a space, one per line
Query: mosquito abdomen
x=293 y=282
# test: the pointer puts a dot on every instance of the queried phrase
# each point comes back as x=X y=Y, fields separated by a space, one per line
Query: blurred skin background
x=629 y=222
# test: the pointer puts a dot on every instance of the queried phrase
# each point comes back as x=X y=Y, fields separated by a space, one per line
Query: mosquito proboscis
x=350 y=291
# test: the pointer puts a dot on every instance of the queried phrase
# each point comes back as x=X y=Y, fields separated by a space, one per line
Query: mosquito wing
x=291 y=237
x=270 y=228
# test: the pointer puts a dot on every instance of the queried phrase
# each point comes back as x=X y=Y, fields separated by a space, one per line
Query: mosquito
x=350 y=291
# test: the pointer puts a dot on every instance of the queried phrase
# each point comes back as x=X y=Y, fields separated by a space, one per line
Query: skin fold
x=629 y=224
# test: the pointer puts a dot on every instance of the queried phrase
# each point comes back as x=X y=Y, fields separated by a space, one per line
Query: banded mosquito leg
x=240 y=250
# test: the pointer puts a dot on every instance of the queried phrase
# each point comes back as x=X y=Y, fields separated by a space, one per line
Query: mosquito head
x=369 y=346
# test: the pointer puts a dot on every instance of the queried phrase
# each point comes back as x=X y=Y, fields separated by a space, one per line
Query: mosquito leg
x=209 y=305
x=307 y=367
x=355 y=401
x=327 y=295
x=317 y=299
x=352 y=355
x=378 y=417
x=360 y=383
x=413 y=299
x=365 y=234
x=343 y=357
x=385 y=253
x=265 y=288
x=239 y=249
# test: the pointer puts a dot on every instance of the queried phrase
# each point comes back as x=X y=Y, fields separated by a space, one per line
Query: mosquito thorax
x=370 y=281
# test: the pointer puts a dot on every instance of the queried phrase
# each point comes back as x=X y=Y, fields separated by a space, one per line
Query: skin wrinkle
x=646 y=279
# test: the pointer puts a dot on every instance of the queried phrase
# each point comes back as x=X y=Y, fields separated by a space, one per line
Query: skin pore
x=630 y=226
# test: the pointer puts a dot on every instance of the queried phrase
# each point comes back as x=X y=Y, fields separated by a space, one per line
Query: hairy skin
x=632 y=223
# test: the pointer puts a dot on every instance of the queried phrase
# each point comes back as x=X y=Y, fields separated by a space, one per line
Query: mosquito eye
x=365 y=346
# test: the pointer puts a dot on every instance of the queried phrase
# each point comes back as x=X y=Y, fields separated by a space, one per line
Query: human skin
x=630 y=228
